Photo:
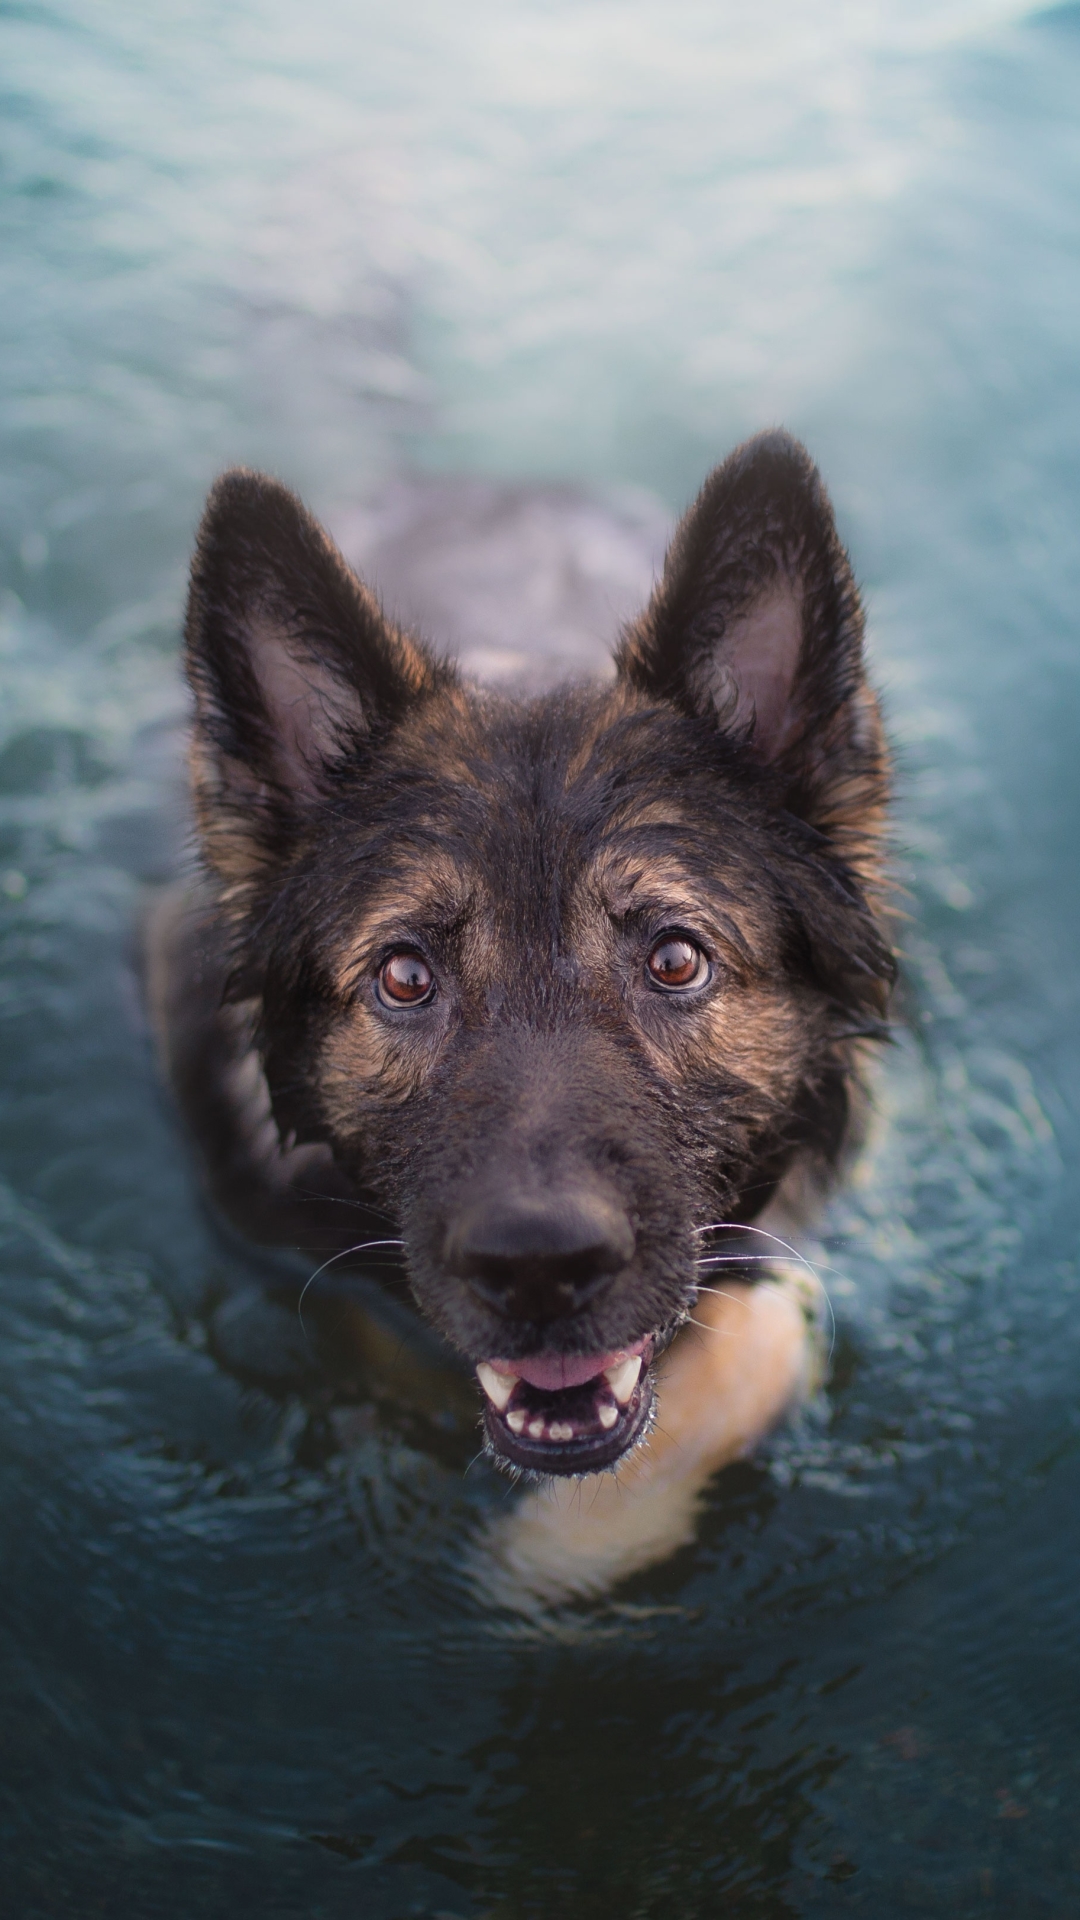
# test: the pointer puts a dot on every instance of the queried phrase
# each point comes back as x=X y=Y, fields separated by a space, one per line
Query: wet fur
x=354 y=794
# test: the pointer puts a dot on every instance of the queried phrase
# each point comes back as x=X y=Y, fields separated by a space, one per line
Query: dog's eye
x=405 y=981
x=677 y=963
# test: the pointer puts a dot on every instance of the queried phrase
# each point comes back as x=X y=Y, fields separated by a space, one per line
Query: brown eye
x=405 y=981
x=676 y=962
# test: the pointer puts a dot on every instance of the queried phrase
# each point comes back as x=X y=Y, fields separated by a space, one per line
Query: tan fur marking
x=360 y=1055
x=444 y=734
x=363 y=1053
x=751 y=1027
x=620 y=700
x=619 y=882
x=229 y=834
x=434 y=889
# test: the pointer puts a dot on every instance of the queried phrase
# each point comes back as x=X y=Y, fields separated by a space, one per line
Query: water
x=244 y=1666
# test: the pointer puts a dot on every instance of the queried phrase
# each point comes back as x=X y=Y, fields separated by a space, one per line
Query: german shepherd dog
x=557 y=986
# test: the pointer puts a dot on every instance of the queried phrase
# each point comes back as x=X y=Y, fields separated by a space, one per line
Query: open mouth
x=563 y=1413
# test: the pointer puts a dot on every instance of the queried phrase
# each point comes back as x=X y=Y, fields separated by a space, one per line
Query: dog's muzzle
x=537 y=1260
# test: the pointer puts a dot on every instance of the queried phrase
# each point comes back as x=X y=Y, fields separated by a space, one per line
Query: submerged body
x=546 y=989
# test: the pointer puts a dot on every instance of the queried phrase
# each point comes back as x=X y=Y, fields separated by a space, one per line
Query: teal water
x=244 y=1669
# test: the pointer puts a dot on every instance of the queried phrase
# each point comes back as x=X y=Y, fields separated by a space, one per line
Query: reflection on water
x=245 y=1662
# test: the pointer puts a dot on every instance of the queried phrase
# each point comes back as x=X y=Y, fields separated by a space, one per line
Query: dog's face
x=559 y=981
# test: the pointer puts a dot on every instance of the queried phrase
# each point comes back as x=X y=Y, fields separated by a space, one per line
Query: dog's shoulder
x=275 y=1193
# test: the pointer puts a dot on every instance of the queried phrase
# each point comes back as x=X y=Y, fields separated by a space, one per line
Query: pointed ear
x=757 y=625
x=293 y=666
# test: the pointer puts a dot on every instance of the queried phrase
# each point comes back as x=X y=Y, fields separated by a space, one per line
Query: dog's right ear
x=294 y=669
x=756 y=627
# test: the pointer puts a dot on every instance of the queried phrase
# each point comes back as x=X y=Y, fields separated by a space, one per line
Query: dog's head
x=559 y=981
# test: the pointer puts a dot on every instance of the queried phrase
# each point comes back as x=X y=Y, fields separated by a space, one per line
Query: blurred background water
x=243 y=1667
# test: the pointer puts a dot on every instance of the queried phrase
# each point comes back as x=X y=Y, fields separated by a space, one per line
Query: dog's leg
x=749 y=1355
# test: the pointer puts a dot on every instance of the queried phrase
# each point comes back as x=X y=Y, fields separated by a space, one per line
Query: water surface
x=245 y=1669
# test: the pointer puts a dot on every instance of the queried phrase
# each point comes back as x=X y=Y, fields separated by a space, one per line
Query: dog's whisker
x=832 y=1320
x=362 y=1247
x=735 y=1259
x=741 y=1227
x=342 y=1200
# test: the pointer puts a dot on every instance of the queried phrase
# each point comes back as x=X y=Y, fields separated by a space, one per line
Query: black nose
x=539 y=1258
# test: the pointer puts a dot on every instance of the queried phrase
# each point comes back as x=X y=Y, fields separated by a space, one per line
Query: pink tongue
x=552 y=1372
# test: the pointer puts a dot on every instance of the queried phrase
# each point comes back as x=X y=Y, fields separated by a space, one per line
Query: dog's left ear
x=296 y=673
x=757 y=626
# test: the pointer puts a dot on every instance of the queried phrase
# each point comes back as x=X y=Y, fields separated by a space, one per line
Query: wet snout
x=539 y=1257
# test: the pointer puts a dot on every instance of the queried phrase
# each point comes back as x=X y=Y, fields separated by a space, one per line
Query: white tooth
x=607 y=1413
x=536 y=1428
x=498 y=1386
x=516 y=1419
x=624 y=1378
x=561 y=1430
